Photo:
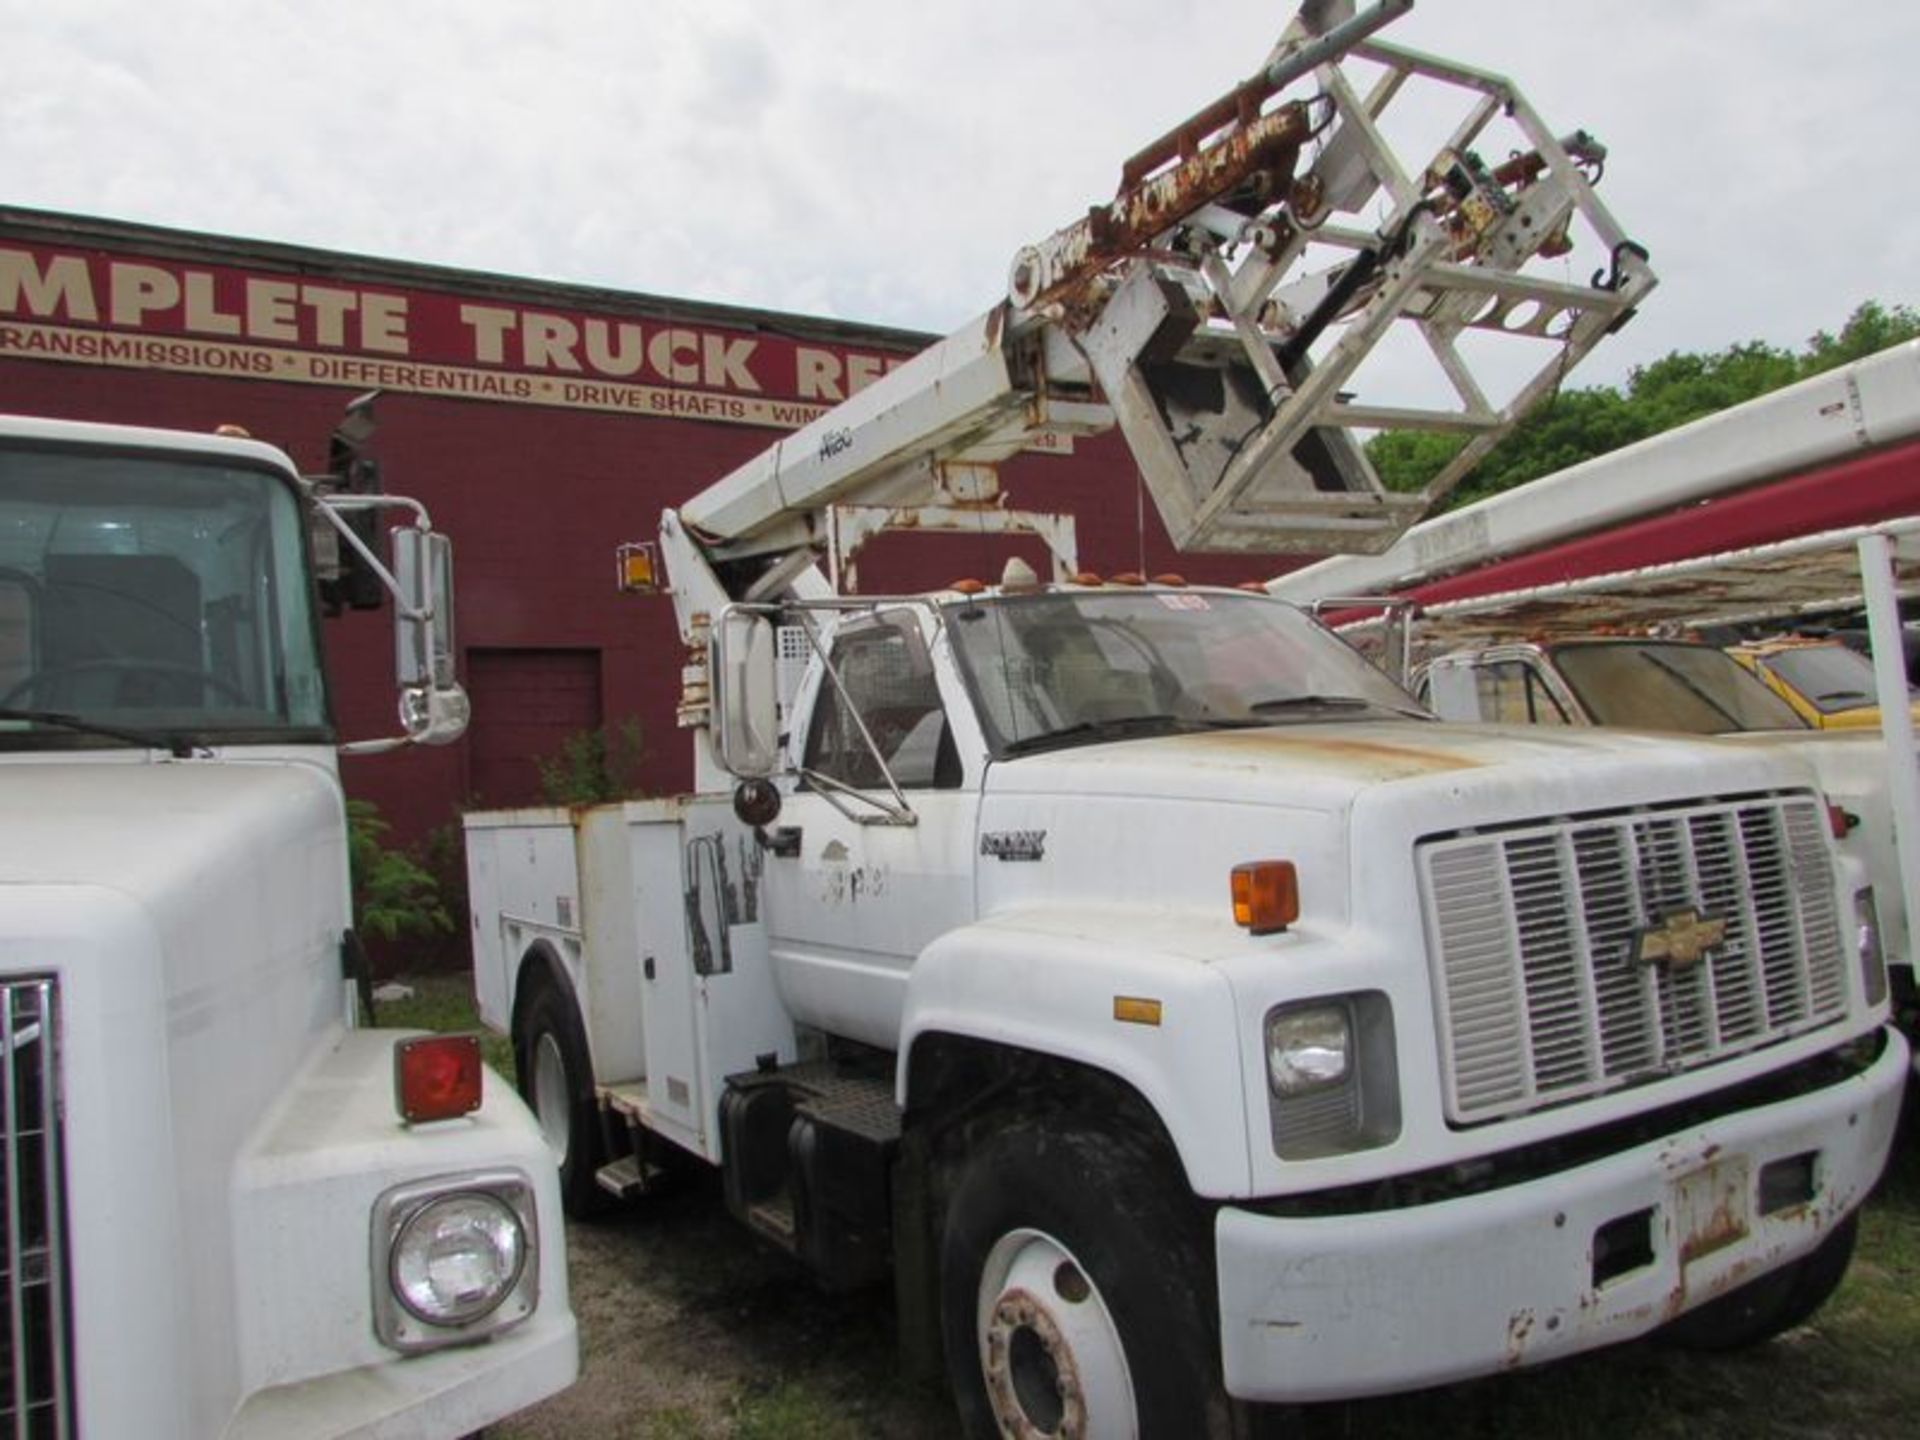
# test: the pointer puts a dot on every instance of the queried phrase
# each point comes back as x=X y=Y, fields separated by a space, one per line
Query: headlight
x=1308 y=1049
x=1332 y=1076
x=455 y=1258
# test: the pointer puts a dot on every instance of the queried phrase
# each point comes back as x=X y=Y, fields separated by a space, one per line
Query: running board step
x=807 y=1155
x=626 y=1177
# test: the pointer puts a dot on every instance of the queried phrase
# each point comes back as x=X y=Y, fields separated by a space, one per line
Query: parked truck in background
x=1829 y=684
x=1178 y=1015
x=230 y=1210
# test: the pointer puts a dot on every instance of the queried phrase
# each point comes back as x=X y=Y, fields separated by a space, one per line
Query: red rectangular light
x=436 y=1077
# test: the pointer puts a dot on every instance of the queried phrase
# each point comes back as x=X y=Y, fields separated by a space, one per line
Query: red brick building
x=541 y=423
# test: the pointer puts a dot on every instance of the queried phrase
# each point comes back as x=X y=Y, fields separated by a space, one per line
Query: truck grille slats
x=35 y=1390
x=1594 y=952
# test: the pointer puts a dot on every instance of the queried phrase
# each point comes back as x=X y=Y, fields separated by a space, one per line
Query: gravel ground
x=689 y=1327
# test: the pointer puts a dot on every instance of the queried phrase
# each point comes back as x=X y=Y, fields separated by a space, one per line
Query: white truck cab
x=1186 y=1018
x=1180 y=1015
x=217 y=1221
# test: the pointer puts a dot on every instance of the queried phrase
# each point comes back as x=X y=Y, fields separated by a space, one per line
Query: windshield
x=1063 y=666
x=152 y=598
x=1653 y=686
x=1831 y=677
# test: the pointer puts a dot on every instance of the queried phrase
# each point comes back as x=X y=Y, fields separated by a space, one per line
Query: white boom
x=1218 y=310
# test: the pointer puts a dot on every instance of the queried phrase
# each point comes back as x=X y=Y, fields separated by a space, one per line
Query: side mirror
x=432 y=716
x=746 y=721
x=433 y=707
x=1453 y=693
x=423 y=627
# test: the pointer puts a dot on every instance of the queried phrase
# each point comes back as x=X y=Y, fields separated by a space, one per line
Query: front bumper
x=1342 y=1306
x=450 y=1392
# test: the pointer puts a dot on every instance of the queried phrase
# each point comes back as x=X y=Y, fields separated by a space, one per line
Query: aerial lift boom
x=1217 y=311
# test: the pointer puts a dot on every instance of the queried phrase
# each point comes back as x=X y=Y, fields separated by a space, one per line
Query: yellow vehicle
x=1830 y=685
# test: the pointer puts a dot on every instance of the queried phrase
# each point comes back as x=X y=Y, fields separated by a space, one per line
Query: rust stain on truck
x=1373 y=758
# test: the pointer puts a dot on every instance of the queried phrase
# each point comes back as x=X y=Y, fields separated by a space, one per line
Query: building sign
x=86 y=307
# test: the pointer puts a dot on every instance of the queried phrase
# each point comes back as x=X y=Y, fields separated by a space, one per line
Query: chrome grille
x=35 y=1384
x=1540 y=943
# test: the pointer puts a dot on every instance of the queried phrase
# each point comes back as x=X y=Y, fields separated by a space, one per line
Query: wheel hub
x=1031 y=1375
x=552 y=1106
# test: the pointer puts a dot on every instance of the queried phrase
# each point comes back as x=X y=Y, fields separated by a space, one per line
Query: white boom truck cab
x=217 y=1222
x=1182 y=1014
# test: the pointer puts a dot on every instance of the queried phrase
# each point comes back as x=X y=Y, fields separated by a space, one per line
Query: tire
x=1771 y=1305
x=1077 y=1290
x=556 y=1081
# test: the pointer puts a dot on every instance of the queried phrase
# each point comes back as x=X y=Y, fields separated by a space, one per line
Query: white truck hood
x=165 y=832
x=191 y=912
x=1325 y=767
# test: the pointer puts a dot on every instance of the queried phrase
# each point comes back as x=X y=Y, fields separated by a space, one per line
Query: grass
x=795 y=1410
x=444 y=1004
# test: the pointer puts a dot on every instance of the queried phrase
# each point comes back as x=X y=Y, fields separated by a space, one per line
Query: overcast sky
x=881 y=161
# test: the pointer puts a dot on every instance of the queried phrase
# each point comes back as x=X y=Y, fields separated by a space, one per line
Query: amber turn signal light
x=436 y=1077
x=1266 y=895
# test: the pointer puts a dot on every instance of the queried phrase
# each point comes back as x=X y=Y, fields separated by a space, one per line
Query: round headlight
x=457 y=1257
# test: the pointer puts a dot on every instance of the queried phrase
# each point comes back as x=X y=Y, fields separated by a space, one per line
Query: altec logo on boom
x=90 y=308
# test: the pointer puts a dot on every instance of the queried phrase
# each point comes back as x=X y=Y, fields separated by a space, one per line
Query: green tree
x=1871 y=328
x=393 y=896
x=595 y=766
x=1578 y=424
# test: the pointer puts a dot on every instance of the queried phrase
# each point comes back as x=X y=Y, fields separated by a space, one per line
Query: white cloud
x=882 y=162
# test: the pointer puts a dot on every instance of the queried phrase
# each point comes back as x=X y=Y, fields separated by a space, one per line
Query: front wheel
x=556 y=1081
x=1076 y=1290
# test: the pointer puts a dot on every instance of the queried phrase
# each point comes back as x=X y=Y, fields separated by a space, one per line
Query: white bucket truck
x=228 y=1209
x=1180 y=1016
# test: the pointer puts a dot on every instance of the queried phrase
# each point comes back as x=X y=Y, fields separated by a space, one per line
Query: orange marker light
x=1266 y=895
x=436 y=1077
x=639 y=567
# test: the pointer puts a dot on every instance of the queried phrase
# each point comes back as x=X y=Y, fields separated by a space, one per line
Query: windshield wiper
x=1343 y=704
x=176 y=745
x=1114 y=729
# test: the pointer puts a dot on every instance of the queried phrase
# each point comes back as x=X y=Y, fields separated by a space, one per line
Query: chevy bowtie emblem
x=1682 y=939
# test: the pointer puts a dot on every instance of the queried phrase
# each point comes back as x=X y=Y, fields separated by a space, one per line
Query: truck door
x=856 y=884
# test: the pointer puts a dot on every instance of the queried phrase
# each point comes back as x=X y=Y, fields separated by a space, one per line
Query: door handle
x=785 y=841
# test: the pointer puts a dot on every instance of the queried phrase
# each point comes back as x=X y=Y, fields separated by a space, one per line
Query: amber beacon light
x=1266 y=895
